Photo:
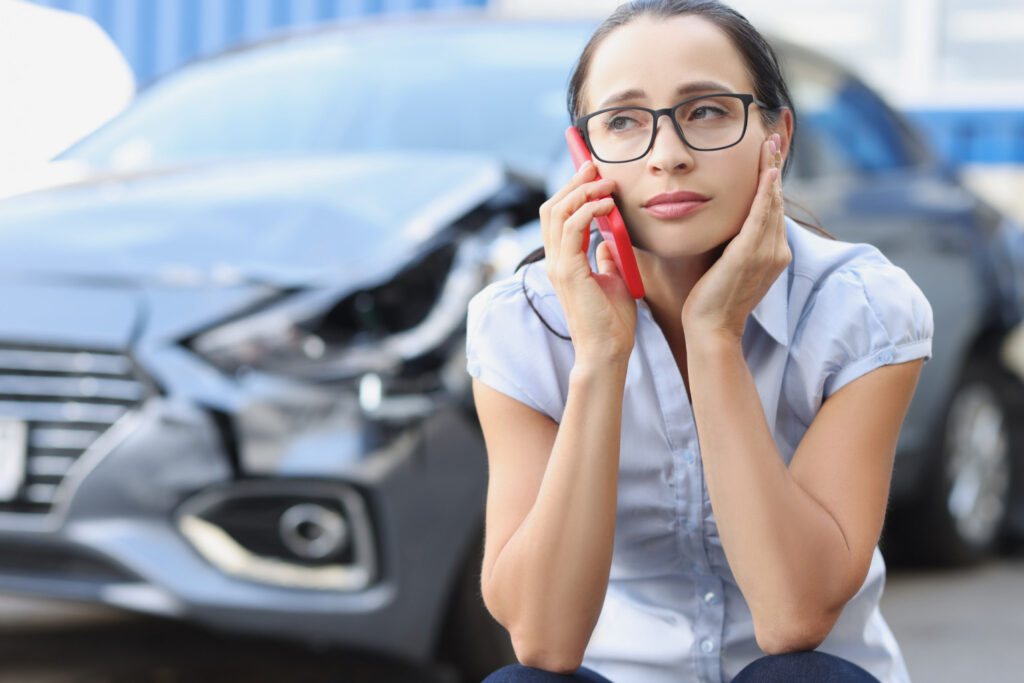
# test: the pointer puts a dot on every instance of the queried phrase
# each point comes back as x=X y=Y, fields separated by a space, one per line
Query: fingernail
x=771 y=146
x=773 y=174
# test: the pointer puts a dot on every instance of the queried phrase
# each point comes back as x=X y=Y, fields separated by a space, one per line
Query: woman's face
x=656 y=59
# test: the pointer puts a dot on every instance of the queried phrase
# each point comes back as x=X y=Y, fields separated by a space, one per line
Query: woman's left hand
x=725 y=295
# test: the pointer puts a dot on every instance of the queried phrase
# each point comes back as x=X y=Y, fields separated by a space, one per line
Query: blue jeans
x=816 y=667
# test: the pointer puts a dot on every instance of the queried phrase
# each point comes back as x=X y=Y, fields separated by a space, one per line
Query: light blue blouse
x=673 y=611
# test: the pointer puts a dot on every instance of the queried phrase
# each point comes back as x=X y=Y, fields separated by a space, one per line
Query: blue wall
x=157 y=36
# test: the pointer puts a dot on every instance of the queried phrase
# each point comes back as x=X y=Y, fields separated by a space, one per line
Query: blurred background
x=953 y=66
x=236 y=435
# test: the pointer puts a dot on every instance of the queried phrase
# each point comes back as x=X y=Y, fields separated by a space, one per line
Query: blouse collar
x=771 y=312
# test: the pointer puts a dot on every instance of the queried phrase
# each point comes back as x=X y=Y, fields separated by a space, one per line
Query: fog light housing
x=299 y=534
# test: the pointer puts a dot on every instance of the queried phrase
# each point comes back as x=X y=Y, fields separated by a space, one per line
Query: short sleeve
x=509 y=348
x=866 y=314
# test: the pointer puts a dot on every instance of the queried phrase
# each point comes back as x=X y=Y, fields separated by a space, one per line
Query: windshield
x=497 y=90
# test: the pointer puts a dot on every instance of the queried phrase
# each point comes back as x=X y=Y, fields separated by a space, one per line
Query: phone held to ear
x=612 y=227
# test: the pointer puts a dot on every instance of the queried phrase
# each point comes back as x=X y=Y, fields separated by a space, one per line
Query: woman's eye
x=707 y=112
x=621 y=122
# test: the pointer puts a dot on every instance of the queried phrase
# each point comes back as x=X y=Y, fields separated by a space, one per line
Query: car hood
x=191 y=245
x=285 y=221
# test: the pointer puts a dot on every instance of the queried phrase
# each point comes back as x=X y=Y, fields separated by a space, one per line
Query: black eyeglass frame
x=581 y=123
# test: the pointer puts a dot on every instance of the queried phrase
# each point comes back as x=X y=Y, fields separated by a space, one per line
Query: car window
x=845 y=127
x=470 y=90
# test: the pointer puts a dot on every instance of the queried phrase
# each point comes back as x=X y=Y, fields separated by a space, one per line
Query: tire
x=961 y=516
x=471 y=640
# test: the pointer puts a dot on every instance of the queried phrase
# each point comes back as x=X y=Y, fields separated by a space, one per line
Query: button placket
x=690 y=495
x=709 y=590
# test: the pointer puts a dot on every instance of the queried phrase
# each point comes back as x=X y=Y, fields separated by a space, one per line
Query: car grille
x=67 y=399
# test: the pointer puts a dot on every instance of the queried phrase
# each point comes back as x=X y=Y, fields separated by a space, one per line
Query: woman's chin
x=677 y=249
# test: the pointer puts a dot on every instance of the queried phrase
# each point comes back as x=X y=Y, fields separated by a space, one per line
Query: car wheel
x=963 y=513
x=471 y=640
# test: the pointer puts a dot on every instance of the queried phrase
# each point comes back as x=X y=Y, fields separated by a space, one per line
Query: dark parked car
x=958 y=482
x=232 y=382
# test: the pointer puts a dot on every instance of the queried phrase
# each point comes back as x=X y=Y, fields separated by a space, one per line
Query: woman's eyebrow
x=702 y=86
x=623 y=96
x=633 y=93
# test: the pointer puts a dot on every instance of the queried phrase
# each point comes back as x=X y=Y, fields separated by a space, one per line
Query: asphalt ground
x=953 y=626
x=43 y=641
x=959 y=625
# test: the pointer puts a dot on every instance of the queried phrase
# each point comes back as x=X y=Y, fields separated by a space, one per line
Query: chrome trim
x=230 y=557
x=227 y=555
x=49 y=465
x=73 y=362
x=84 y=464
x=142 y=597
x=70 y=398
x=52 y=438
x=73 y=387
x=69 y=412
x=41 y=493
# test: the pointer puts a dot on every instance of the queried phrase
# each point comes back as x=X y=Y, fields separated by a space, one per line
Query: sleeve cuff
x=889 y=356
x=496 y=381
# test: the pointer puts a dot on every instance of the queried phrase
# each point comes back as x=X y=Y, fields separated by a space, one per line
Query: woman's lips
x=674 y=209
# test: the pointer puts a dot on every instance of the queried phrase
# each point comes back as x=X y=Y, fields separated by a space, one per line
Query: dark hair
x=762 y=64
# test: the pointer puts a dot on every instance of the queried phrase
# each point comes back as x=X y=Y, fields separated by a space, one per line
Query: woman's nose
x=669 y=151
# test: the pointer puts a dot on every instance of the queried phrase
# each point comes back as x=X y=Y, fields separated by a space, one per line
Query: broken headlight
x=323 y=336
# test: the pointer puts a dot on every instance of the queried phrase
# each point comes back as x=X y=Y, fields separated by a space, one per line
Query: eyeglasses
x=704 y=123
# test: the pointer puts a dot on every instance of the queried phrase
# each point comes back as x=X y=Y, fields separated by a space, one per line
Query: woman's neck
x=667 y=283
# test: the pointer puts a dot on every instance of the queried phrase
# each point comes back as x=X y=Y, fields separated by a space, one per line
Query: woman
x=691 y=484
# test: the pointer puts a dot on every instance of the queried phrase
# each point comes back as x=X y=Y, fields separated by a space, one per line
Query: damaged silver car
x=232 y=366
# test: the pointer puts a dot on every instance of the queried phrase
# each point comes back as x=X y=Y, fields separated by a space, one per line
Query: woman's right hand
x=598 y=307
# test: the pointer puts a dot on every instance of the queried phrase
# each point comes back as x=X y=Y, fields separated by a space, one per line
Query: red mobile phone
x=612 y=227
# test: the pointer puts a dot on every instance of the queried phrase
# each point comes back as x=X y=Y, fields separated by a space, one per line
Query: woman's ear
x=784 y=127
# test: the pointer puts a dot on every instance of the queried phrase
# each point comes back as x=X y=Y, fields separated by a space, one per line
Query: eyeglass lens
x=625 y=133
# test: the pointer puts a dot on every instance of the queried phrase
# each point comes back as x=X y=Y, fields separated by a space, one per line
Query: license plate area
x=13 y=444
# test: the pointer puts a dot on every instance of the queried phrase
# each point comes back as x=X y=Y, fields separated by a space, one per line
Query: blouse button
x=886 y=356
x=689 y=457
x=710 y=598
x=707 y=645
